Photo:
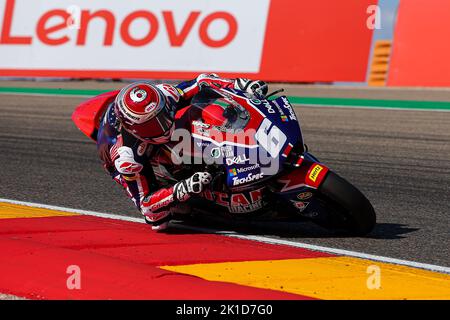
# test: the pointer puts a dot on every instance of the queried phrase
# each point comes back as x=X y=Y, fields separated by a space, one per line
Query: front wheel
x=349 y=208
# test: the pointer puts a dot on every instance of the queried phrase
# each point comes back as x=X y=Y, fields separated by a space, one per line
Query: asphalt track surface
x=399 y=158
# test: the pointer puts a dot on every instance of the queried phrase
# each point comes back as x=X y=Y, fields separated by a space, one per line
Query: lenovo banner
x=286 y=40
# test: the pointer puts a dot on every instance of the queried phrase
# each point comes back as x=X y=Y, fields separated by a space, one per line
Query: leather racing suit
x=126 y=158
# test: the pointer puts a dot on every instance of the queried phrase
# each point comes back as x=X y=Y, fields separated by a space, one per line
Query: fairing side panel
x=87 y=115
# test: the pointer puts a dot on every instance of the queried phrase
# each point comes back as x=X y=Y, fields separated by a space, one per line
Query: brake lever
x=274 y=93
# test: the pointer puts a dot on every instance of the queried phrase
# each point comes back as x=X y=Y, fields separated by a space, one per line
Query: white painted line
x=324 y=249
x=71 y=210
x=245 y=237
x=10 y=297
x=346 y=253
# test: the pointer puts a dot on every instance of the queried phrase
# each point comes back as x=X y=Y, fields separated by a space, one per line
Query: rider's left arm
x=189 y=89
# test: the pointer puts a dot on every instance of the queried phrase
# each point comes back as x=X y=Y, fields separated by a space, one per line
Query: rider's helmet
x=145 y=112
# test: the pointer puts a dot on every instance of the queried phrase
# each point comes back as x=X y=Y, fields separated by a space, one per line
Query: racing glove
x=212 y=80
x=257 y=88
x=184 y=189
x=156 y=207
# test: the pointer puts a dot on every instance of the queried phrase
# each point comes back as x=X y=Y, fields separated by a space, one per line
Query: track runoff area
x=51 y=252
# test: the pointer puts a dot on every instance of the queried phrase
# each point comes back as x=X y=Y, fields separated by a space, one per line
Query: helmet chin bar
x=156 y=140
x=160 y=140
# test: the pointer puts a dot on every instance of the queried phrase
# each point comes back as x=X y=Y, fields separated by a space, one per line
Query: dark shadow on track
x=391 y=231
x=174 y=230
x=387 y=231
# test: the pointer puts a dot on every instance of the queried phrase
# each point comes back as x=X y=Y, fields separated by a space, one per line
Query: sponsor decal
x=315 y=172
x=284 y=118
x=181 y=31
x=225 y=129
x=256 y=101
x=245 y=169
x=200 y=124
x=269 y=108
x=287 y=105
x=300 y=205
x=202 y=144
x=128 y=114
x=249 y=178
x=232 y=172
x=215 y=153
x=141 y=149
x=160 y=204
x=226 y=151
x=138 y=95
x=240 y=202
x=304 y=195
x=270 y=137
x=222 y=199
x=280 y=110
x=237 y=160
x=151 y=107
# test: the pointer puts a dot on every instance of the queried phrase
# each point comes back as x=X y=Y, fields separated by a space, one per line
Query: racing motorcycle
x=255 y=151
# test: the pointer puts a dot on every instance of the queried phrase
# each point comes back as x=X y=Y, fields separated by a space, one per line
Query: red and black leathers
x=126 y=157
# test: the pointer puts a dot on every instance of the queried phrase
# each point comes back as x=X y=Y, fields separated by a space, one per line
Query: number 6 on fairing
x=272 y=139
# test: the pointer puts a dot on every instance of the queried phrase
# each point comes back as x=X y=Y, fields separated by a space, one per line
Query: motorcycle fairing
x=296 y=188
x=276 y=133
x=244 y=202
x=87 y=115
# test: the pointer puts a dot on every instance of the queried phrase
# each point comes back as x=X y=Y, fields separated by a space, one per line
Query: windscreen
x=223 y=112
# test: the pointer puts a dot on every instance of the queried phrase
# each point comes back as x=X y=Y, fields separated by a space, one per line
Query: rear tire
x=360 y=217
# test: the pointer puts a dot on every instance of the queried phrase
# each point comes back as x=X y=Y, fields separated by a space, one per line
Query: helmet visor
x=156 y=127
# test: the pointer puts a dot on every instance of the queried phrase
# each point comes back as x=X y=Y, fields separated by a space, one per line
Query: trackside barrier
x=277 y=40
x=421 y=50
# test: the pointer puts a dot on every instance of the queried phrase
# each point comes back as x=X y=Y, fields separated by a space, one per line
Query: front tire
x=357 y=216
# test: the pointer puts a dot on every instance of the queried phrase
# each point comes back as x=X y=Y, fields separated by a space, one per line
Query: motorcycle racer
x=142 y=118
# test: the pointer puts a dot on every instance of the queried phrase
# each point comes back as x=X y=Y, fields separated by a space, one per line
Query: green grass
x=310 y=101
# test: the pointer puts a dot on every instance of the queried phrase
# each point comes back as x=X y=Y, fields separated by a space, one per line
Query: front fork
x=296 y=188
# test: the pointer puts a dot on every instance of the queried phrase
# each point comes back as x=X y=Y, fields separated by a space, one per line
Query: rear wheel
x=349 y=209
